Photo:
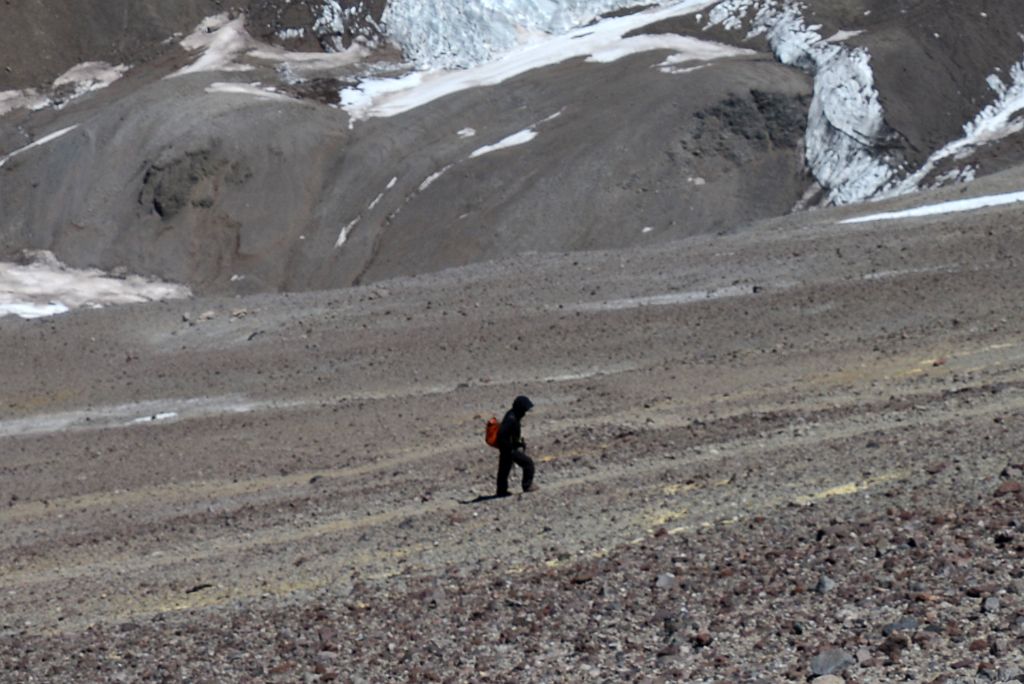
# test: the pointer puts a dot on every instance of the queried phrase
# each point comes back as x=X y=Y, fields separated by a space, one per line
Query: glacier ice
x=846 y=122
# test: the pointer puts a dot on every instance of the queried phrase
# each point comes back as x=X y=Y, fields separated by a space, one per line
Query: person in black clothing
x=513 y=448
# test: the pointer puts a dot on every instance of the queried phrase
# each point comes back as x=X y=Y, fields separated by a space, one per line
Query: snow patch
x=429 y=180
x=677 y=65
x=222 y=42
x=128 y=415
x=251 y=89
x=520 y=138
x=30 y=99
x=995 y=122
x=42 y=141
x=467 y=133
x=687 y=49
x=302 y=63
x=672 y=299
x=892 y=275
x=45 y=287
x=840 y=36
x=72 y=84
x=168 y=415
x=89 y=76
x=343 y=235
x=953 y=207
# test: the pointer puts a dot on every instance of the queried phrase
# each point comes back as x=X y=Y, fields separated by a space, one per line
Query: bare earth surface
x=781 y=453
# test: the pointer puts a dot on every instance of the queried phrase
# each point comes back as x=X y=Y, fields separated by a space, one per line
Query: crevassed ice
x=451 y=35
x=846 y=120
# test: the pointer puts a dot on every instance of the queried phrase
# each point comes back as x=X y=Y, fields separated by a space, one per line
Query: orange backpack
x=491 y=434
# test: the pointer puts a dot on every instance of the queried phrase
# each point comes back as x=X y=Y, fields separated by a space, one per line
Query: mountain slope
x=276 y=481
x=227 y=164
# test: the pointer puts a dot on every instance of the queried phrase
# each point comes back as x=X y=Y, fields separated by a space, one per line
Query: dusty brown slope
x=746 y=414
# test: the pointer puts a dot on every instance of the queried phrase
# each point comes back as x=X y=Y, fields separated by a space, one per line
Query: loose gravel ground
x=787 y=454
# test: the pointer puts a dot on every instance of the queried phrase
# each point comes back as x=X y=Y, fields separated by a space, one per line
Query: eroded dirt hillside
x=250 y=173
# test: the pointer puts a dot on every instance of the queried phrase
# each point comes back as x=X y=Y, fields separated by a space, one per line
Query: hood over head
x=521 y=405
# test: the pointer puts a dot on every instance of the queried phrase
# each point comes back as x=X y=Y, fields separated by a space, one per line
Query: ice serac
x=604 y=41
x=335 y=26
x=453 y=35
x=846 y=123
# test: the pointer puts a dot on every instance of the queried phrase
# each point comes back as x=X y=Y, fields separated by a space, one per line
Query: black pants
x=505 y=462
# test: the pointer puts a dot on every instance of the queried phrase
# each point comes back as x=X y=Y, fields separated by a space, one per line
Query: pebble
x=894 y=644
x=666 y=581
x=1011 y=487
x=990 y=605
x=1010 y=673
x=825 y=585
x=906 y=624
x=702 y=639
x=831 y=661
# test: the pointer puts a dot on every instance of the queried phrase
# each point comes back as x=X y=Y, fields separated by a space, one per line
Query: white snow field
x=72 y=84
x=600 y=42
x=45 y=287
x=953 y=207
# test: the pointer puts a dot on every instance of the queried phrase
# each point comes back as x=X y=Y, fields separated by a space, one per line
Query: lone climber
x=513 y=447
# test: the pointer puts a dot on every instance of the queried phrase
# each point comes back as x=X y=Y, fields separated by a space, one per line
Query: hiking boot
x=500 y=494
x=531 y=488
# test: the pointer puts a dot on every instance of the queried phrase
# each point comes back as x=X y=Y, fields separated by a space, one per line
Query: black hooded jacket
x=509 y=436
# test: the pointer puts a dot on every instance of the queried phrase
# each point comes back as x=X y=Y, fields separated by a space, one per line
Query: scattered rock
x=906 y=624
x=1012 y=472
x=825 y=585
x=978 y=645
x=1000 y=647
x=1010 y=487
x=1010 y=673
x=701 y=639
x=666 y=581
x=669 y=650
x=894 y=644
x=831 y=661
x=990 y=605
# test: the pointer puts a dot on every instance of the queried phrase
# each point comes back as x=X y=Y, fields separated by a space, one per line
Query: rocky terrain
x=785 y=453
x=778 y=434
